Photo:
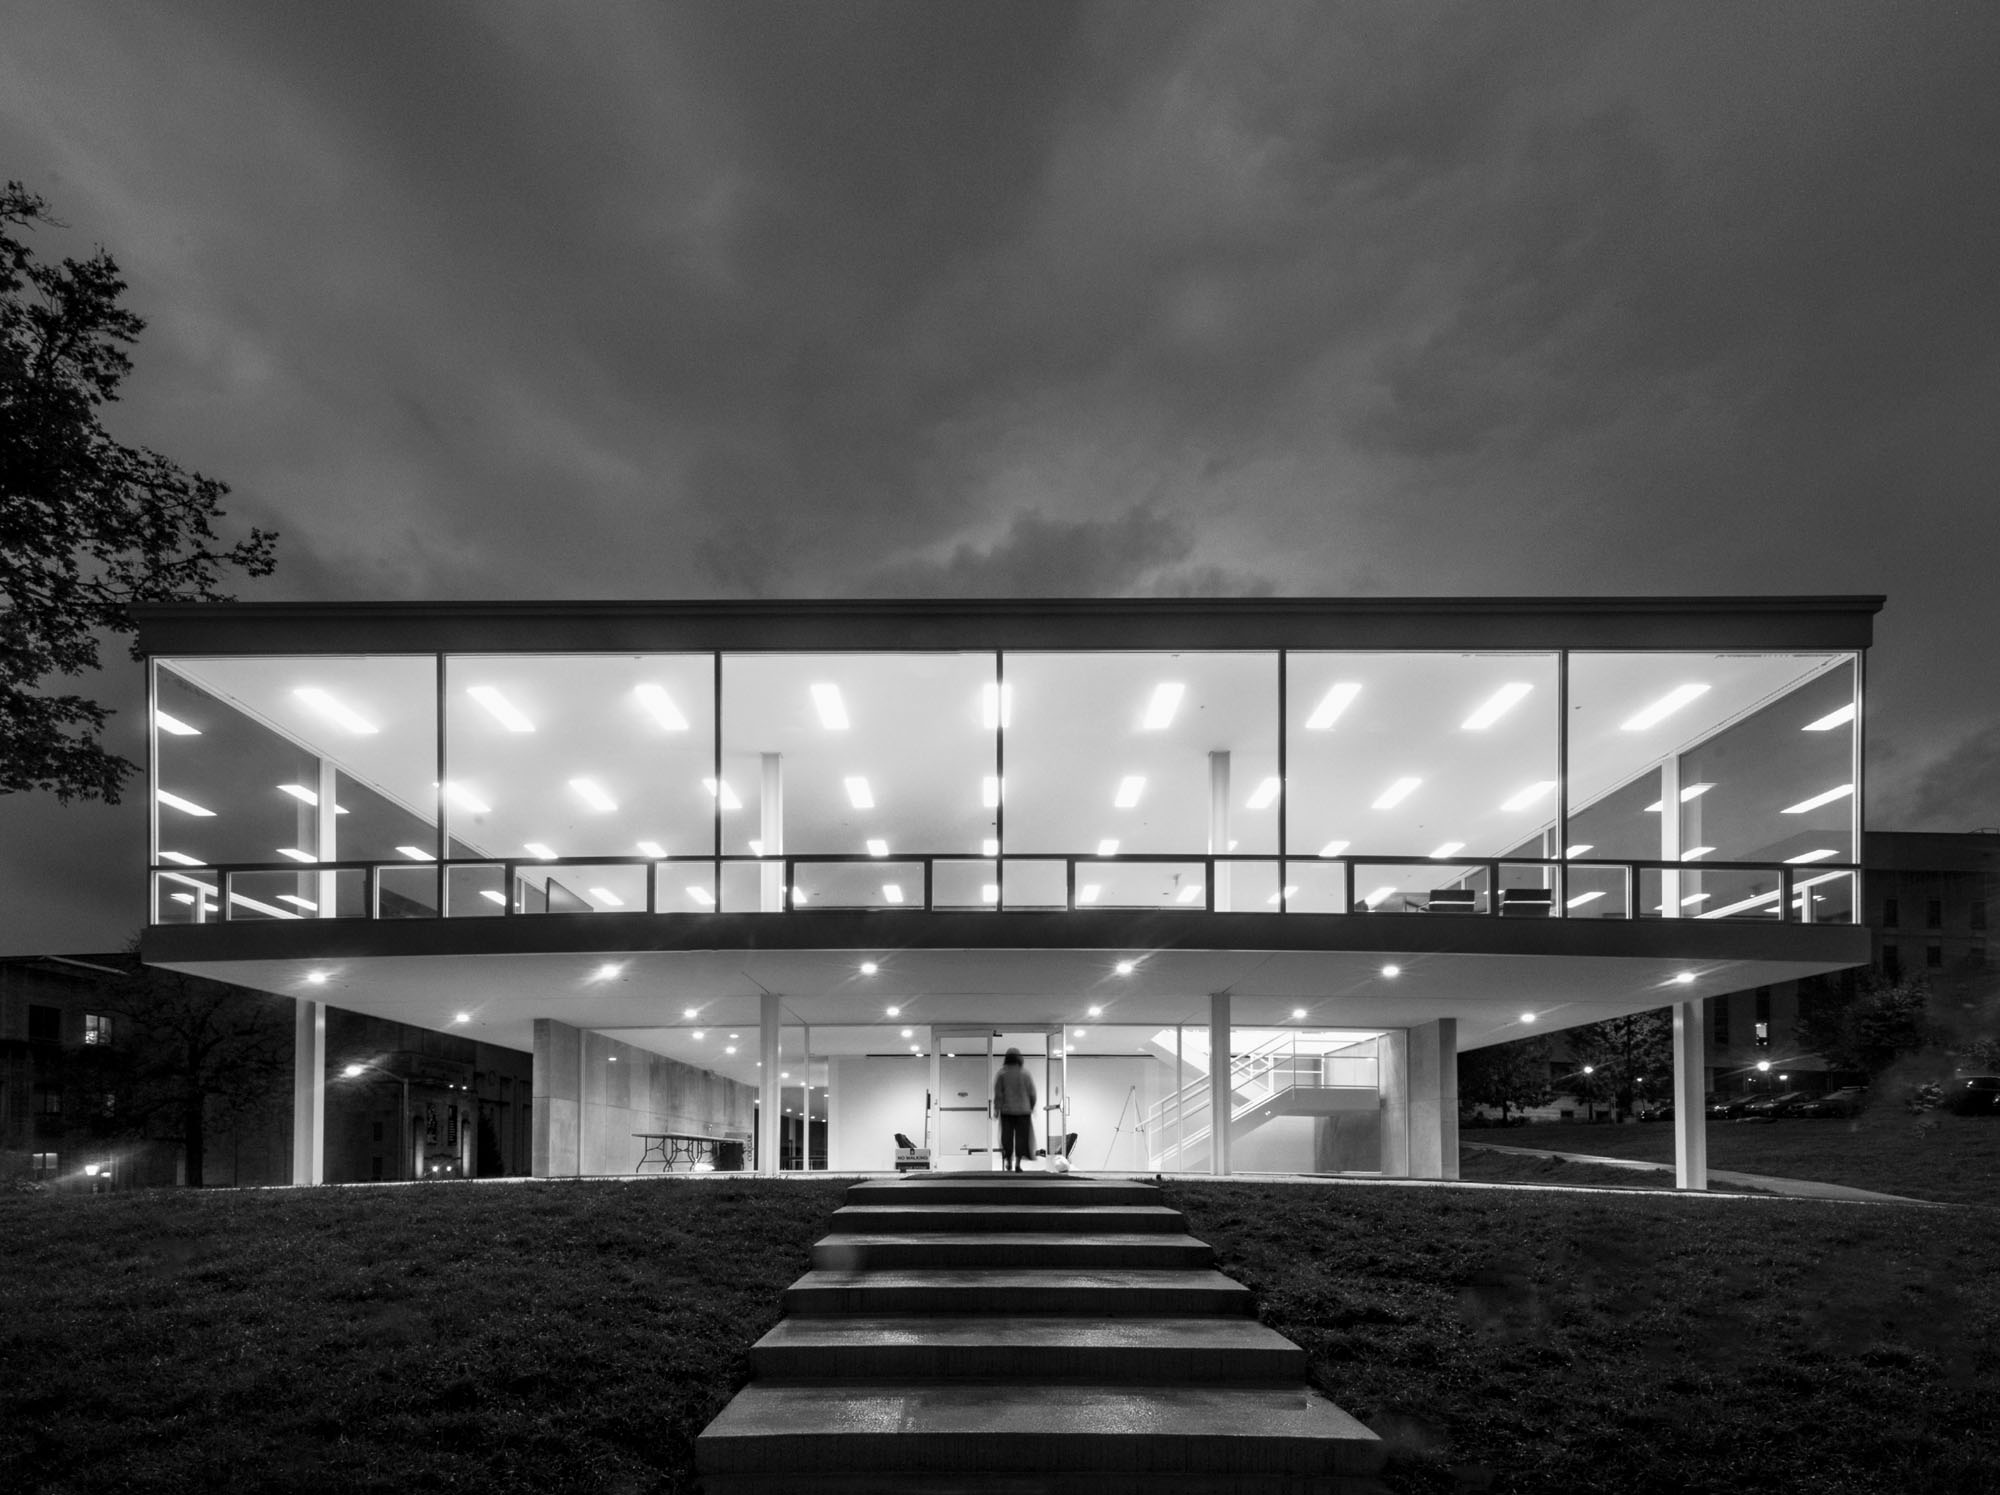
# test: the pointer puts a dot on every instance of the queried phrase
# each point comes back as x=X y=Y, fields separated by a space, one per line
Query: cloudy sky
x=761 y=300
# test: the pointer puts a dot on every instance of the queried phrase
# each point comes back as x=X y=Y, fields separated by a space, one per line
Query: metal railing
x=1256 y=1077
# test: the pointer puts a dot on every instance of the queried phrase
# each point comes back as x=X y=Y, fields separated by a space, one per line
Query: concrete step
x=1026 y=1349
x=1088 y=1482
x=1040 y=1251
x=1097 y=1294
x=1001 y=1188
x=784 y=1428
x=1096 y=1218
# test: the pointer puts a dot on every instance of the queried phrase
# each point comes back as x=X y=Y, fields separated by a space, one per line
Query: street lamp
x=354 y=1071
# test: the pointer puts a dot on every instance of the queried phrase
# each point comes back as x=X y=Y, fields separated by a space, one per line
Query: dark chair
x=1068 y=1146
x=1452 y=901
x=1530 y=902
x=903 y=1141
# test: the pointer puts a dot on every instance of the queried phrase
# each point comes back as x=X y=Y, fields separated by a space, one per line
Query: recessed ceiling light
x=990 y=846
x=656 y=700
x=701 y=895
x=182 y=858
x=996 y=705
x=591 y=794
x=1298 y=1012
x=299 y=792
x=1578 y=850
x=333 y=710
x=538 y=849
x=736 y=1035
x=1379 y=894
x=1290 y=890
x=652 y=849
x=185 y=806
x=909 y=1032
x=893 y=1011
x=1189 y=893
x=1663 y=708
x=1330 y=706
x=606 y=896
x=730 y=1048
x=1527 y=1017
x=1333 y=848
x=990 y=893
x=869 y=968
x=858 y=793
x=892 y=892
x=462 y=1017
x=1097 y=1012
x=1125 y=967
x=1449 y=849
x=1529 y=795
x=1392 y=971
x=726 y=794
x=466 y=800
x=1497 y=705
x=1582 y=898
x=1685 y=978
x=1160 y=710
x=1088 y=893
x=1694 y=898
x=989 y=791
x=416 y=853
x=1129 y=789
x=611 y=1058
x=877 y=847
x=756 y=848
x=317 y=978
x=504 y=711
x=1831 y=720
x=698 y=1033
x=1696 y=853
x=1805 y=856
x=832 y=710
x=606 y=971
x=492 y=897
x=1798 y=809
x=1263 y=795
x=174 y=725
x=687 y=1012
x=1108 y=847
x=296 y=855
x=1396 y=793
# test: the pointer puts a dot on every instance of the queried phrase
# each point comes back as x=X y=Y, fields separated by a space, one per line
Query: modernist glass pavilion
x=818 y=863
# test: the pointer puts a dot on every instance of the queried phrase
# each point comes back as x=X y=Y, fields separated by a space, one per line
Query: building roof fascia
x=1414 y=623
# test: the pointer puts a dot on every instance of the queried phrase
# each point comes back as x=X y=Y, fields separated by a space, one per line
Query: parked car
x=1654 y=1110
x=1727 y=1107
x=1972 y=1095
x=1771 y=1107
x=1845 y=1101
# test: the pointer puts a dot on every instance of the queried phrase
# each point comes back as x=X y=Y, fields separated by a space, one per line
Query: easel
x=1138 y=1125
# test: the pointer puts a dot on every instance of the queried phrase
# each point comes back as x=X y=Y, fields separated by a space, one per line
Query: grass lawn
x=1956 y=1159
x=568 y=1336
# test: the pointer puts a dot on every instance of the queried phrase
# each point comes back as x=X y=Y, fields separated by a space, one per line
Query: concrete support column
x=1690 y=1088
x=1433 y=1080
x=771 y=805
x=1392 y=1083
x=557 y=1146
x=771 y=1093
x=1218 y=1083
x=326 y=842
x=1218 y=825
x=309 y=1092
x=1670 y=838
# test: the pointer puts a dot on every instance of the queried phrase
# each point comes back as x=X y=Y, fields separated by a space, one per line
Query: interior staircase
x=971 y=1334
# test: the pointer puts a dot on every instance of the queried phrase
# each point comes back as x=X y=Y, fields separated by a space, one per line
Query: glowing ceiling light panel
x=1335 y=701
x=591 y=794
x=1396 y=793
x=1805 y=856
x=701 y=895
x=185 y=860
x=297 y=902
x=832 y=710
x=608 y=898
x=1497 y=705
x=174 y=725
x=756 y=848
x=1129 y=789
x=877 y=847
x=1262 y=797
x=1663 y=708
x=296 y=855
x=723 y=792
x=990 y=893
x=1088 y=893
x=1290 y=891
x=504 y=711
x=492 y=897
x=185 y=806
x=1696 y=853
x=1529 y=796
x=539 y=849
x=1831 y=720
x=299 y=792
x=1160 y=710
x=1798 y=809
x=989 y=791
x=1449 y=849
x=1693 y=791
x=1188 y=894
x=651 y=849
x=989 y=846
x=1378 y=895
x=656 y=700
x=859 y=794
x=996 y=705
x=892 y=892
x=416 y=853
x=334 y=711
x=1333 y=848
x=1108 y=847
x=1578 y=850
x=466 y=800
x=1582 y=898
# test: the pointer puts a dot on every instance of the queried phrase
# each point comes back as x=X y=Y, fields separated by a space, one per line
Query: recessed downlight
x=1497 y=705
x=1392 y=971
x=1396 y=793
x=1798 y=809
x=832 y=709
x=1832 y=719
x=592 y=793
x=1129 y=789
x=336 y=711
x=1165 y=702
x=1663 y=708
x=664 y=711
x=174 y=725
x=1126 y=967
x=1264 y=795
x=1330 y=706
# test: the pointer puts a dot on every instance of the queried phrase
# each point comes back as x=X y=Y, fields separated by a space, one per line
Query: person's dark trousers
x=1017 y=1140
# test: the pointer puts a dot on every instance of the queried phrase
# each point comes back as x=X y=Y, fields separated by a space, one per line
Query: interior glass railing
x=1823 y=892
x=1291 y=1060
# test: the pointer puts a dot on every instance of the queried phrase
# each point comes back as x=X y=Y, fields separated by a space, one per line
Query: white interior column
x=1392 y=1084
x=1218 y=825
x=1218 y=1083
x=771 y=804
x=326 y=890
x=770 y=1090
x=1670 y=837
x=308 y=1092
x=1690 y=1089
x=1433 y=1099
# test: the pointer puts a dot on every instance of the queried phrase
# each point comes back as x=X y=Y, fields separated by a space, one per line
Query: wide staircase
x=968 y=1334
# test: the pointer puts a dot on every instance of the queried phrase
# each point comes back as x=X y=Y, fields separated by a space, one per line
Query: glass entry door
x=964 y=1063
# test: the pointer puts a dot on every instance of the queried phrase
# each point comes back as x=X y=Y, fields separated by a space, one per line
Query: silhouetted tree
x=1882 y=1022
x=87 y=524
x=1508 y=1075
x=1623 y=1050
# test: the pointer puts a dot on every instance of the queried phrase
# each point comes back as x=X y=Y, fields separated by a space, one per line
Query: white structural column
x=1392 y=1083
x=1433 y=1099
x=326 y=886
x=309 y=1093
x=1690 y=1114
x=1218 y=1083
x=771 y=1092
x=1218 y=825
x=771 y=804
x=1670 y=839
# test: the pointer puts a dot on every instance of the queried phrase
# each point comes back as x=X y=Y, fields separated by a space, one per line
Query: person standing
x=1014 y=1103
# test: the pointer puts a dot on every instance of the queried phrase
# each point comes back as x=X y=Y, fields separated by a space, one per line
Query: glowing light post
x=408 y=1166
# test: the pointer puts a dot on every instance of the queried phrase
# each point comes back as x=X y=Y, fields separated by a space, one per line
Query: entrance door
x=965 y=1137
